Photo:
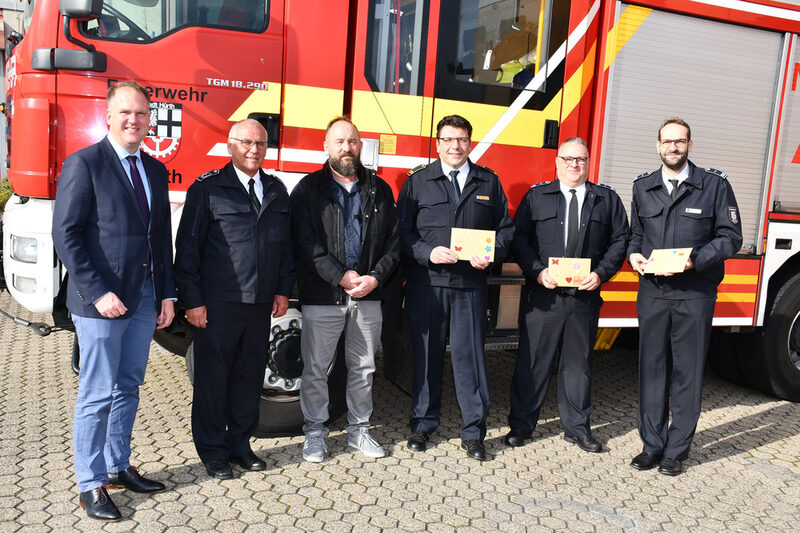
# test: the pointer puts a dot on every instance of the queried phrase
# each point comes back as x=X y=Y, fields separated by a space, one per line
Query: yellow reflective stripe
x=259 y=101
x=725 y=297
x=399 y=114
x=733 y=279
x=629 y=21
x=618 y=296
x=578 y=83
x=311 y=107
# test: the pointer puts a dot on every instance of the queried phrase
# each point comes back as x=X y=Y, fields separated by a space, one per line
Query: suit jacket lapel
x=114 y=166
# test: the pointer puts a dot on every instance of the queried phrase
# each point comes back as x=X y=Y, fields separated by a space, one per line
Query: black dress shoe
x=131 y=479
x=418 y=441
x=645 y=461
x=670 y=467
x=516 y=438
x=98 y=505
x=474 y=449
x=249 y=461
x=586 y=443
x=219 y=469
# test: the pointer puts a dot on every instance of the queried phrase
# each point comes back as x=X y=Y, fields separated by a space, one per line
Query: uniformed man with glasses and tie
x=677 y=206
x=233 y=267
x=564 y=218
x=444 y=296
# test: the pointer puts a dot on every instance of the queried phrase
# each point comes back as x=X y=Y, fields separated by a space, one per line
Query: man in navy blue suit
x=111 y=229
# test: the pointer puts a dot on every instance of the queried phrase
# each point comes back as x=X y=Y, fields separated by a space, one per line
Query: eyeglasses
x=569 y=160
x=451 y=140
x=248 y=143
x=680 y=143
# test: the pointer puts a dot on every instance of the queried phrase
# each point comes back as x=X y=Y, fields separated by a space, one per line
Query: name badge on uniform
x=481 y=197
x=694 y=211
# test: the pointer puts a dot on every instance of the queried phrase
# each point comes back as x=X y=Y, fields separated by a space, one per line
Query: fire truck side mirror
x=81 y=9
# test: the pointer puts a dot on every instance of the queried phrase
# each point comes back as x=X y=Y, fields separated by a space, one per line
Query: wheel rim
x=793 y=341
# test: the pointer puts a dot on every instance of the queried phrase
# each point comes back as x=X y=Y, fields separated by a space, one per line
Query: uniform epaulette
x=644 y=174
x=488 y=169
x=606 y=186
x=719 y=173
x=208 y=174
x=540 y=184
x=417 y=168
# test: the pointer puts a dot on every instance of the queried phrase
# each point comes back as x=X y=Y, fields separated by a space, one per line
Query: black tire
x=280 y=414
x=723 y=356
x=773 y=362
x=178 y=336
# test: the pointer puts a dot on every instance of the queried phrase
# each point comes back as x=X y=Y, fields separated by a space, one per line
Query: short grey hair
x=250 y=121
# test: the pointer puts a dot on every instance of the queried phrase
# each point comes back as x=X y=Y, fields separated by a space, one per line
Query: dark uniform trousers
x=568 y=327
x=230 y=357
x=450 y=297
x=438 y=310
x=561 y=320
x=675 y=312
x=672 y=354
x=232 y=259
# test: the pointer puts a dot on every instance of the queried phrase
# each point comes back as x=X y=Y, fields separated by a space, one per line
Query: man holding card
x=445 y=295
x=571 y=236
x=677 y=207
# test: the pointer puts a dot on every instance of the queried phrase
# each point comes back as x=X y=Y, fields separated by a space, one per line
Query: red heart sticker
x=569 y=280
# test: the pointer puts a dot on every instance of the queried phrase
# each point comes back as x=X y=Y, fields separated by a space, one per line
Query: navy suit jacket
x=100 y=234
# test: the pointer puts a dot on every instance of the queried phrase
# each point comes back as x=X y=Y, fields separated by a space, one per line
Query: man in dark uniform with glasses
x=233 y=268
x=443 y=295
x=567 y=217
x=677 y=206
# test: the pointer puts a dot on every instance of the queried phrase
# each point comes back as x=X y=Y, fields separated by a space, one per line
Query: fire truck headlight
x=24 y=249
x=23 y=284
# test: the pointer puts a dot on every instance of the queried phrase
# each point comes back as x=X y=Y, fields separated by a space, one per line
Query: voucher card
x=468 y=242
x=569 y=271
x=667 y=260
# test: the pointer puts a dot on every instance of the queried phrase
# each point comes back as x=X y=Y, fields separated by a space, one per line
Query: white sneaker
x=364 y=442
x=314 y=448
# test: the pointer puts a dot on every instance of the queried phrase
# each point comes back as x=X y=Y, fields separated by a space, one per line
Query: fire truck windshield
x=148 y=20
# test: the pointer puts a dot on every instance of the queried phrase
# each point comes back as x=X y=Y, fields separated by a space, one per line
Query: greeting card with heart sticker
x=667 y=260
x=569 y=271
x=468 y=242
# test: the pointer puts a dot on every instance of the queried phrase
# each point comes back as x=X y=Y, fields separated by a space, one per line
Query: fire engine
x=526 y=73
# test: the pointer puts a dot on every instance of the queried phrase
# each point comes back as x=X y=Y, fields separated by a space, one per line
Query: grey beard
x=346 y=169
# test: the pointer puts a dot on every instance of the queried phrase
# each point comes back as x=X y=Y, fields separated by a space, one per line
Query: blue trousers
x=114 y=355
x=434 y=313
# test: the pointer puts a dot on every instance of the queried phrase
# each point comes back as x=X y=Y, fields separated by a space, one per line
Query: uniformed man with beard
x=344 y=228
x=677 y=206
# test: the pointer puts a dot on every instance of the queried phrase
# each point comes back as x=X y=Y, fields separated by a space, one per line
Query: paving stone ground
x=743 y=473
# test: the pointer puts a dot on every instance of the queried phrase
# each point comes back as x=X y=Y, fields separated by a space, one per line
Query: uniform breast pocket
x=651 y=220
x=548 y=228
x=696 y=228
x=483 y=211
x=279 y=223
x=433 y=213
x=234 y=220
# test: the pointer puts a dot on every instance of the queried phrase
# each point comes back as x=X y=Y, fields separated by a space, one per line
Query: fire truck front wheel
x=775 y=353
x=279 y=408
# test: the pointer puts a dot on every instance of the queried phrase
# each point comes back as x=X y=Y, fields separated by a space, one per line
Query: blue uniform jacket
x=704 y=216
x=602 y=235
x=428 y=211
x=100 y=234
x=225 y=251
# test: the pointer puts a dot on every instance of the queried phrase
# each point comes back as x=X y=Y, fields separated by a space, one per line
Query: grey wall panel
x=719 y=77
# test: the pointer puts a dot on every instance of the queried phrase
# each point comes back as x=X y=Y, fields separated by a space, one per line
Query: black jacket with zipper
x=318 y=237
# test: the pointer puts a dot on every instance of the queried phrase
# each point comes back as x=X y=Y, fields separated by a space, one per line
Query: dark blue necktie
x=138 y=187
x=456 y=186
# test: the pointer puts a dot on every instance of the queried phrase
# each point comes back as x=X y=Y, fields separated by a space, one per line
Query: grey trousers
x=361 y=323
